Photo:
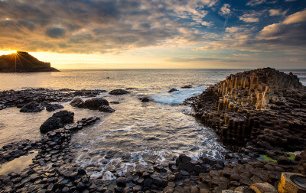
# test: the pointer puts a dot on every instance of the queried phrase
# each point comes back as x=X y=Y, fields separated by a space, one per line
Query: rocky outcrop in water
x=261 y=108
x=52 y=169
x=53 y=107
x=32 y=107
x=23 y=62
x=57 y=121
x=100 y=104
x=119 y=92
x=41 y=96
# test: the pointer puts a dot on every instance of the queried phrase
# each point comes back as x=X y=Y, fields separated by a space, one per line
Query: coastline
x=239 y=169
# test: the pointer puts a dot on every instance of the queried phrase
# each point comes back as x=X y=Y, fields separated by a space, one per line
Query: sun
x=5 y=52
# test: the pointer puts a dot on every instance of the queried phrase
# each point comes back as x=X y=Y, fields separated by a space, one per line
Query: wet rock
x=242 y=110
x=106 y=108
x=119 y=92
x=95 y=103
x=263 y=188
x=32 y=107
x=121 y=181
x=187 y=86
x=77 y=102
x=172 y=90
x=57 y=121
x=2 y=107
x=53 y=107
x=144 y=99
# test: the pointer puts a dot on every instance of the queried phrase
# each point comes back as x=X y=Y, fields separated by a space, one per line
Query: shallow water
x=139 y=134
x=18 y=164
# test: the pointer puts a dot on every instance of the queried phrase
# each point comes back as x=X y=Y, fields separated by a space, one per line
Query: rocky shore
x=259 y=116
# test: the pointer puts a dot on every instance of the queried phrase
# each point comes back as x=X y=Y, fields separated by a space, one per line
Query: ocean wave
x=177 y=97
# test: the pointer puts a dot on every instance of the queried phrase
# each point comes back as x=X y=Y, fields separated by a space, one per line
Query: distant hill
x=23 y=62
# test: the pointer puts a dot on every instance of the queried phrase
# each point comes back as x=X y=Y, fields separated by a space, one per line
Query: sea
x=138 y=135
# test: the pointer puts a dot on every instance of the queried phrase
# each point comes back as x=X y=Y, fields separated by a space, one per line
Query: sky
x=89 y=34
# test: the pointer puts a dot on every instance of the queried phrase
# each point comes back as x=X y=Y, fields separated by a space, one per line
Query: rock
x=53 y=107
x=32 y=107
x=77 y=102
x=282 y=160
x=263 y=188
x=119 y=92
x=187 y=86
x=95 y=103
x=106 y=108
x=287 y=183
x=57 y=121
x=242 y=110
x=121 y=181
x=172 y=90
x=144 y=99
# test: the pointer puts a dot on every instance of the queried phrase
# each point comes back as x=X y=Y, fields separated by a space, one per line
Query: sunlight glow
x=5 y=52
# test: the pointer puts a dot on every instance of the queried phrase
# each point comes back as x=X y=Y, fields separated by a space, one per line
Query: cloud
x=204 y=59
x=55 y=32
x=291 y=31
x=296 y=18
x=225 y=9
x=209 y=3
x=249 y=17
x=255 y=2
x=277 y=12
x=232 y=29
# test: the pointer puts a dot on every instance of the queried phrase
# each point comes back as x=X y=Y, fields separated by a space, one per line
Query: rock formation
x=23 y=62
x=263 y=108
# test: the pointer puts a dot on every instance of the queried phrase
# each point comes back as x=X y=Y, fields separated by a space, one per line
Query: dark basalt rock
x=32 y=107
x=187 y=86
x=145 y=99
x=57 y=121
x=261 y=108
x=106 y=108
x=19 y=98
x=53 y=107
x=172 y=90
x=119 y=92
x=77 y=102
x=95 y=103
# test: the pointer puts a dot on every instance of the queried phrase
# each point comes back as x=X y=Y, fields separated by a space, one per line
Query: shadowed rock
x=57 y=121
x=106 y=108
x=32 y=107
x=77 y=102
x=95 y=103
x=53 y=107
x=119 y=92
x=262 y=108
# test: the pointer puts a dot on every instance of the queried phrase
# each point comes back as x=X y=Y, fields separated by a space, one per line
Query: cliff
x=23 y=62
x=262 y=109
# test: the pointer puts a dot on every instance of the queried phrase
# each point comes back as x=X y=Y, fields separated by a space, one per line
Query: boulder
x=144 y=99
x=57 y=121
x=32 y=107
x=119 y=92
x=263 y=188
x=292 y=182
x=172 y=90
x=77 y=102
x=106 y=108
x=187 y=86
x=53 y=107
x=95 y=103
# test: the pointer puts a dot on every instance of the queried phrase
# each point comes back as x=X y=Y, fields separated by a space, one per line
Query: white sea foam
x=177 y=97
